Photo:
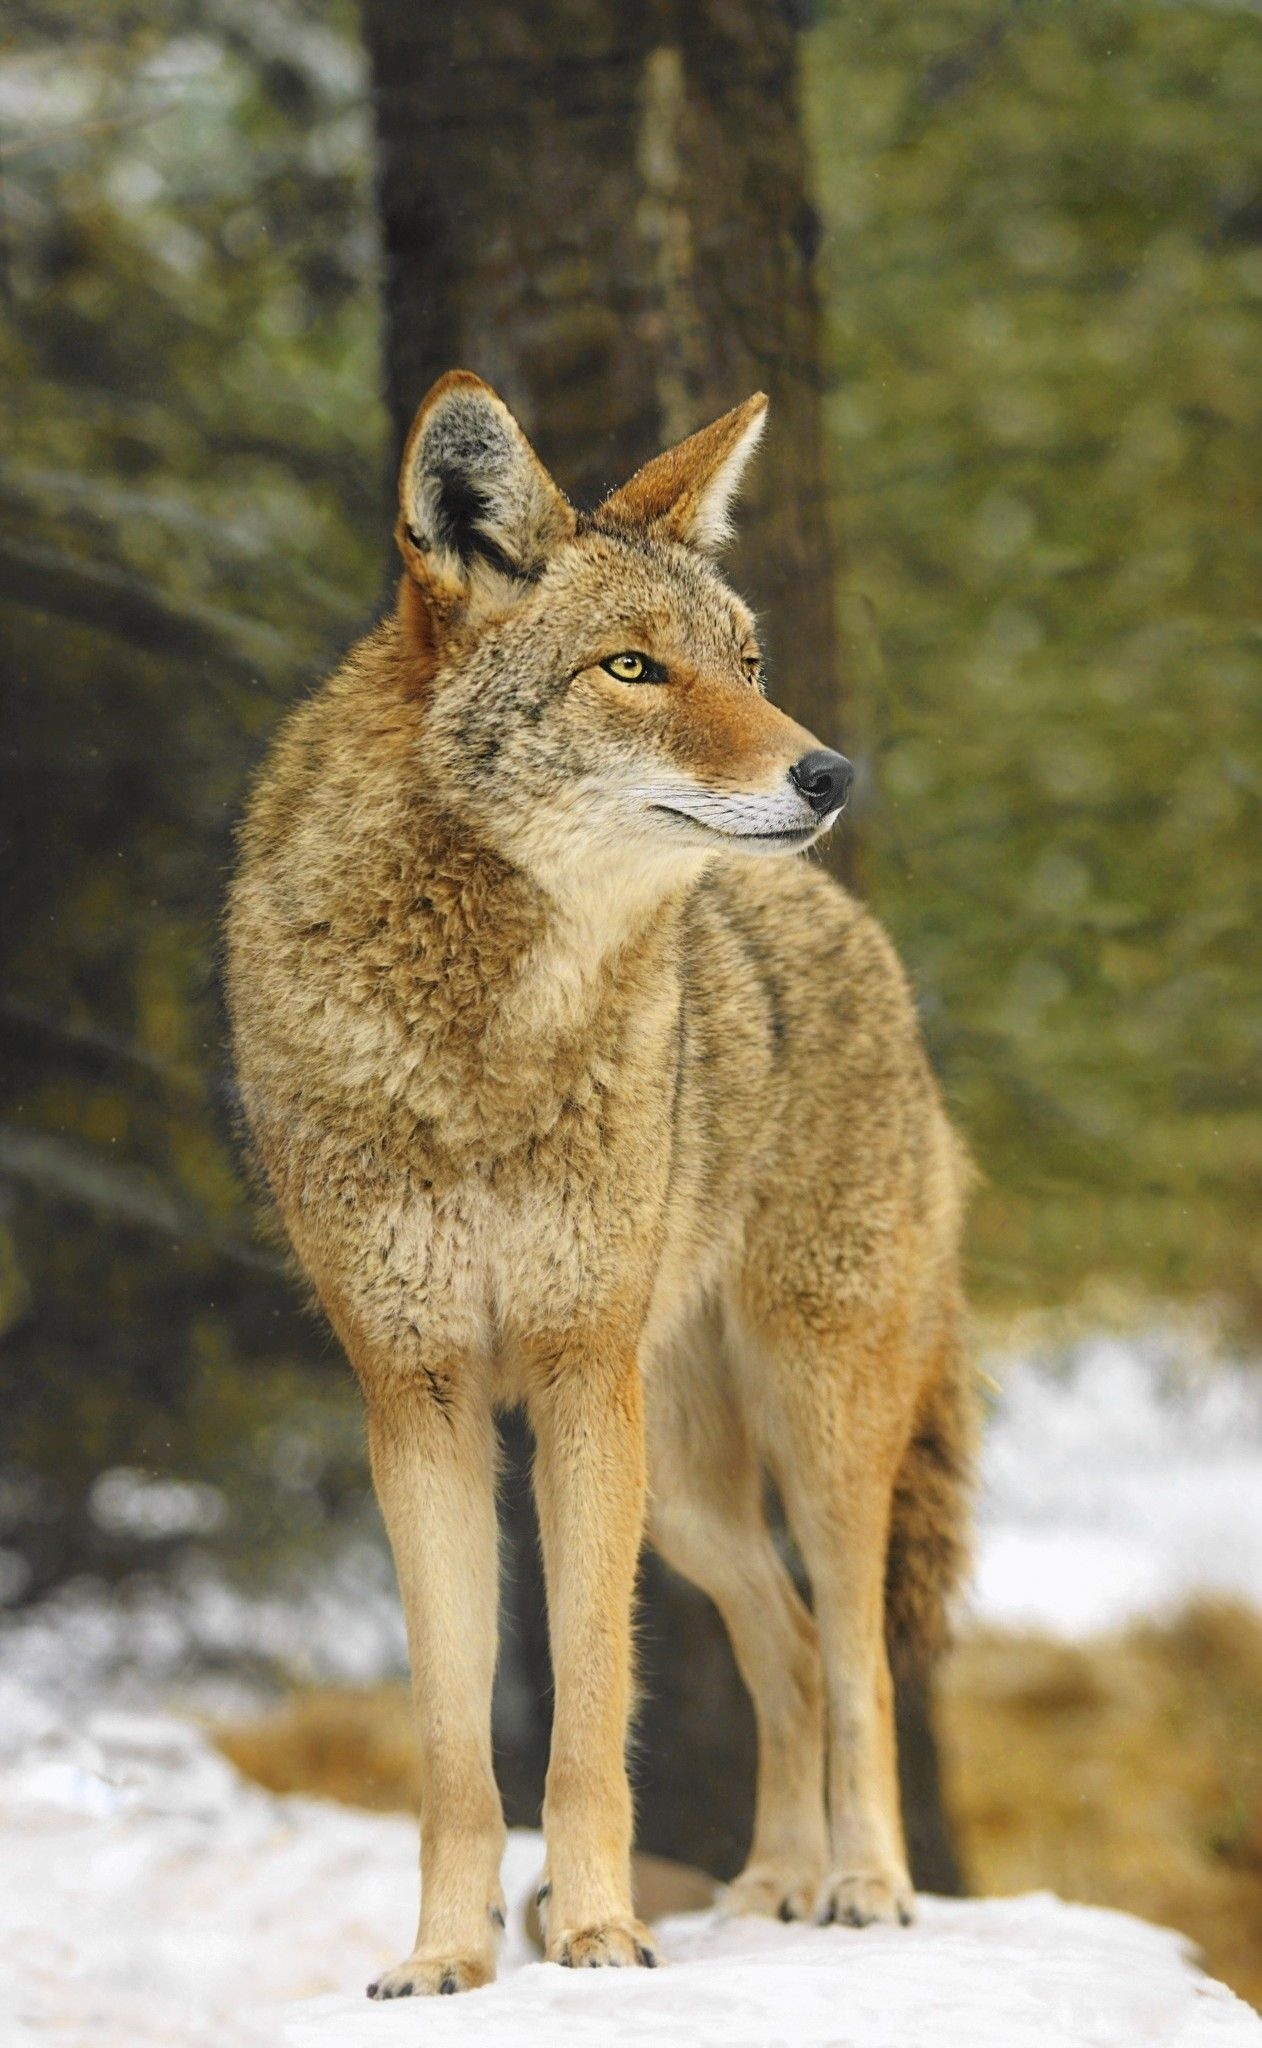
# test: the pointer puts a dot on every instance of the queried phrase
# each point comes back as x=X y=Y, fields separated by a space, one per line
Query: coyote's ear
x=473 y=496
x=686 y=493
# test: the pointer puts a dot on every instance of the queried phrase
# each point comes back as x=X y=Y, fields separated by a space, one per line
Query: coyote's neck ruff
x=566 y=1097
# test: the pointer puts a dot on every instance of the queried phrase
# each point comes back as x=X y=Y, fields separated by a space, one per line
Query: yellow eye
x=629 y=668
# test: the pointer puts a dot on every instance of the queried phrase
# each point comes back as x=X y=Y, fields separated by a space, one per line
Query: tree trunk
x=600 y=206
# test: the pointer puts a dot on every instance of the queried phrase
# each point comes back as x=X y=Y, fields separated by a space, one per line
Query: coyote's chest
x=526 y=1147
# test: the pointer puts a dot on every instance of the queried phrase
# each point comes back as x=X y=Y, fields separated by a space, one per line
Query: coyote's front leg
x=586 y=1408
x=431 y=1442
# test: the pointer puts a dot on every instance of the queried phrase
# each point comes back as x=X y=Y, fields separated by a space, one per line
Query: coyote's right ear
x=478 y=512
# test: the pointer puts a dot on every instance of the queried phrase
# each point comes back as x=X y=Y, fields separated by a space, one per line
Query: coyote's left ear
x=477 y=508
x=686 y=493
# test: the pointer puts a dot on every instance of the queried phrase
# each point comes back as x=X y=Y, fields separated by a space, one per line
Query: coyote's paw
x=610 y=1945
x=780 y=1891
x=422 y=1976
x=857 y=1899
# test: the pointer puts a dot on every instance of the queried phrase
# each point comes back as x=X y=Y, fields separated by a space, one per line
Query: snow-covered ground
x=1119 y=1480
x=149 y=1896
x=152 y=1899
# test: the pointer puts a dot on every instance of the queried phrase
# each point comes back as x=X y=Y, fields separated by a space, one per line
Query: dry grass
x=1126 y=1772
x=351 y=1745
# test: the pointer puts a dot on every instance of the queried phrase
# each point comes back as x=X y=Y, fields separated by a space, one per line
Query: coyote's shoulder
x=568 y=1094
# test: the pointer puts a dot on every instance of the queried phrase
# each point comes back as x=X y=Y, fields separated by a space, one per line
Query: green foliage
x=1044 y=285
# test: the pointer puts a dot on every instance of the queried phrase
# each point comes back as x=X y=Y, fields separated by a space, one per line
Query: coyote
x=568 y=1095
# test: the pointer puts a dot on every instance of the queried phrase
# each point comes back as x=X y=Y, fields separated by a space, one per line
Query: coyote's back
x=565 y=1098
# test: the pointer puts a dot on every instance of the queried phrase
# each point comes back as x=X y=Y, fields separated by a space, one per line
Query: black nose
x=824 y=779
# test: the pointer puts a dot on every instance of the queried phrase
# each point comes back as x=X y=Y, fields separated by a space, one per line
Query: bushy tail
x=932 y=1513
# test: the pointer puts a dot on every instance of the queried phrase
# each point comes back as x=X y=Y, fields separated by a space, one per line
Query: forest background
x=1020 y=406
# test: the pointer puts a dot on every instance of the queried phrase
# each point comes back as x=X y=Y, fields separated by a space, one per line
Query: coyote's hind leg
x=842 y=1408
x=707 y=1522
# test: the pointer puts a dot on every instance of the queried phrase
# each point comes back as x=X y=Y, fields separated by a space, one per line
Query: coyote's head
x=591 y=683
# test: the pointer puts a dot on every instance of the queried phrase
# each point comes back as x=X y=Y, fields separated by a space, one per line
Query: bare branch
x=126 y=1193
x=96 y=594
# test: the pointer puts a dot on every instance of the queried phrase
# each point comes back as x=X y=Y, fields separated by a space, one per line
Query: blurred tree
x=602 y=208
x=188 y=528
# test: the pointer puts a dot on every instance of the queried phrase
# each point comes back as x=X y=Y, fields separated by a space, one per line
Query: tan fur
x=564 y=1098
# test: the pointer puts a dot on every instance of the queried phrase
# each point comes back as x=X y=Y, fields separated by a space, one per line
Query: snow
x=1118 y=1481
x=194 y=1637
x=153 y=1898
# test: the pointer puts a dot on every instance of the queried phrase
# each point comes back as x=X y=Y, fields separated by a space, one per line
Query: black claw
x=497 y=1916
x=646 y=1956
x=371 y=1991
x=543 y=1894
x=850 y=1916
x=786 y=1910
x=448 y=1985
x=904 y=1916
x=404 y=1991
x=829 y=1915
x=566 y=1962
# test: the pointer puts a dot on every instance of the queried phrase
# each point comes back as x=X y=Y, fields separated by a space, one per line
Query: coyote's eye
x=634 y=668
x=752 y=665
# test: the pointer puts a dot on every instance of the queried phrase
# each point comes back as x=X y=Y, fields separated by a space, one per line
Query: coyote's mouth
x=786 y=836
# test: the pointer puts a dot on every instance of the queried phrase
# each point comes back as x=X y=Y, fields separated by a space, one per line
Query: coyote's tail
x=929 y=1528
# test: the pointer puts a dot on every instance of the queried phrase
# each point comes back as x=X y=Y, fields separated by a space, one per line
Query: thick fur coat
x=568 y=1094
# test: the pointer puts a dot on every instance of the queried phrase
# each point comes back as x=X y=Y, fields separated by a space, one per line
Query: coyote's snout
x=810 y=797
x=525 y=1047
